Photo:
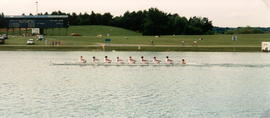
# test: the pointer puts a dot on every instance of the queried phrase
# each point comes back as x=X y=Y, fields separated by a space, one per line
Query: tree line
x=241 y=30
x=149 y=22
x=2 y=20
x=245 y=30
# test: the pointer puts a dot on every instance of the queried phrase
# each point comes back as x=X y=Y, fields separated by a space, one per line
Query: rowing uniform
x=131 y=61
x=107 y=61
x=119 y=61
x=82 y=60
x=95 y=60
x=169 y=61
x=155 y=61
x=143 y=61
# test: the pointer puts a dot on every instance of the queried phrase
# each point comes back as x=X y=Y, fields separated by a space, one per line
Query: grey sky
x=222 y=12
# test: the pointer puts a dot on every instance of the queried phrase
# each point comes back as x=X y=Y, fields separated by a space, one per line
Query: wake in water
x=178 y=64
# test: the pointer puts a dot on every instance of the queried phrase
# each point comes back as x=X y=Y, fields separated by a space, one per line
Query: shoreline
x=155 y=48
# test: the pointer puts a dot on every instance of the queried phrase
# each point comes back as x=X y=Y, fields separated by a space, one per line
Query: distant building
x=40 y=22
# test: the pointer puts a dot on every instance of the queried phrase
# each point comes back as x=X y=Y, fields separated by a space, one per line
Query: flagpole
x=36 y=7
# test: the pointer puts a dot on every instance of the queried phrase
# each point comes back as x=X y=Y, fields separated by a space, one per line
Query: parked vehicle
x=40 y=37
x=5 y=36
x=30 y=42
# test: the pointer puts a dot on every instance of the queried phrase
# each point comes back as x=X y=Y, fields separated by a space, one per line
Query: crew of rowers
x=131 y=60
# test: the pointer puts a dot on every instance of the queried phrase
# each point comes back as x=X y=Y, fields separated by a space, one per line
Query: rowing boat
x=163 y=64
x=109 y=64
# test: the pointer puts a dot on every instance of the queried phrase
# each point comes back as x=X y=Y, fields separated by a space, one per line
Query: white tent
x=35 y=31
x=266 y=46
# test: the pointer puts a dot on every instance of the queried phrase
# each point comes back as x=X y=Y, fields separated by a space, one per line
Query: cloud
x=267 y=2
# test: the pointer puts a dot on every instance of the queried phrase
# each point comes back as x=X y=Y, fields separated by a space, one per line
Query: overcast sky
x=232 y=13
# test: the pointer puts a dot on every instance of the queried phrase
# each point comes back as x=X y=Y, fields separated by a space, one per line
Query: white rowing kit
x=114 y=64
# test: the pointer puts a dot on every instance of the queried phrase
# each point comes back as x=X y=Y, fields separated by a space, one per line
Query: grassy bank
x=208 y=40
x=91 y=30
x=128 y=48
x=126 y=40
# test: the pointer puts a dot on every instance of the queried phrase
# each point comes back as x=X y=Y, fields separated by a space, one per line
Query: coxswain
x=183 y=61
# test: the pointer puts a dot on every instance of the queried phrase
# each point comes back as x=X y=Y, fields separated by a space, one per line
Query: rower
x=183 y=61
x=156 y=61
x=143 y=61
x=107 y=60
x=119 y=61
x=82 y=60
x=131 y=61
x=168 y=60
x=95 y=60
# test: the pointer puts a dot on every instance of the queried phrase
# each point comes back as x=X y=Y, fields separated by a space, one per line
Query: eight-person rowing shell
x=131 y=60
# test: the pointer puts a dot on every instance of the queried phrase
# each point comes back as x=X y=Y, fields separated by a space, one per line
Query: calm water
x=213 y=85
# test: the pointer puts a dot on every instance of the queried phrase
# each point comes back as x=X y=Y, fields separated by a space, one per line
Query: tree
x=2 y=20
x=245 y=30
x=98 y=19
x=84 y=19
x=107 y=19
x=177 y=24
x=199 y=26
x=74 y=19
x=149 y=22
x=156 y=23
x=92 y=18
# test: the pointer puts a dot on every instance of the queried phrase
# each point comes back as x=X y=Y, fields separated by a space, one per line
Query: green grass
x=131 y=40
x=95 y=30
x=91 y=30
x=251 y=42
x=209 y=40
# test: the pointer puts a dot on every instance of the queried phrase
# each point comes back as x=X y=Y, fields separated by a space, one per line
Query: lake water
x=211 y=85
